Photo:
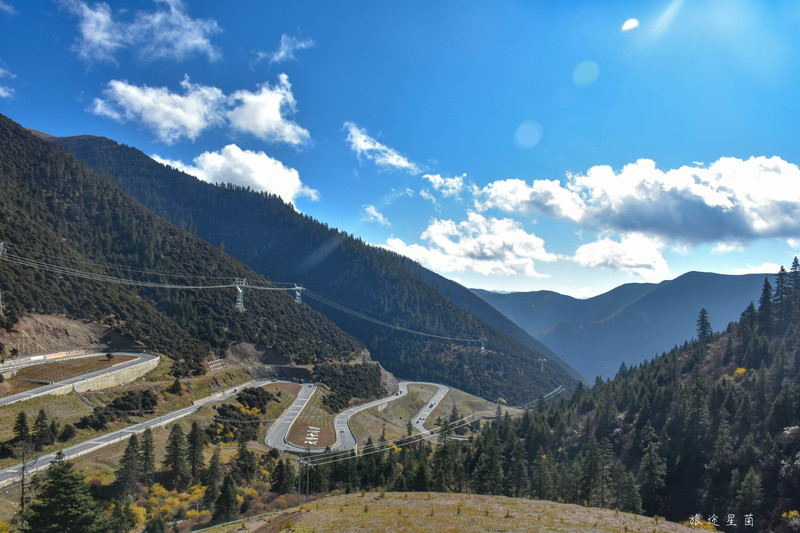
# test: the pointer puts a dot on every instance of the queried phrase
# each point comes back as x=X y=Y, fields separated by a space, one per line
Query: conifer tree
x=246 y=464
x=765 y=309
x=130 y=468
x=212 y=479
x=195 y=454
x=542 y=476
x=148 y=457
x=517 y=481
x=175 y=459
x=41 y=431
x=651 y=478
x=22 y=432
x=751 y=493
x=226 y=506
x=703 y=326
x=63 y=503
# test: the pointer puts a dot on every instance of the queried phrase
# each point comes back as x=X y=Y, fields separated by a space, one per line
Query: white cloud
x=630 y=24
x=100 y=37
x=247 y=168
x=383 y=156
x=371 y=214
x=172 y=34
x=794 y=243
x=173 y=116
x=8 y=9
x=764 y=268
x=448 y=187
x=729 y=200
x=6 y=92
x=544 y=196
x=285 y=52
x=263 y=113
x=169 y=115
x=166 y=33
x=483 y=245
x=427 y=195
x=727 y=247
x=635 y=254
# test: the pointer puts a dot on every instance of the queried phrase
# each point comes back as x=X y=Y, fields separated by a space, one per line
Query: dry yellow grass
x=313 y=416
x=458 y=513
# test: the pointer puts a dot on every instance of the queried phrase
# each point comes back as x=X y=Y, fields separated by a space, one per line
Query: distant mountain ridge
x=276 y=241
x=630 y=323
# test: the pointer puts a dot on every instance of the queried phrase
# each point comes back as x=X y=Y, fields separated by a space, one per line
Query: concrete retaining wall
x=111 y=379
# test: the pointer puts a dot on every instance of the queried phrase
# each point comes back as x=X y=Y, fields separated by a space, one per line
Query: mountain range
x=630 y=323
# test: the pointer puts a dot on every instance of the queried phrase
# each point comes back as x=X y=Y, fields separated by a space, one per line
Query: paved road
x=46 y=389
x=418 y=421
x=9 y=475
x=345 y=440
x=276 y=437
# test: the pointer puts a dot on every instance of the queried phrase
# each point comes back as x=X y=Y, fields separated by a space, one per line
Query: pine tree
x=703 y=326
x=148 y=457
x=226 y=506
x=765 y=309
x=41 y=431
x=782 y=298
x=592 y=467
x=517 y=482
x=751 y=493
x=175 y=459
x=122 y=519
x=246 y=464
x=22 y=432
x=212 y=479
x=542 y=476
x=651 y=478
x=156 y=525
x=130 y=469
x=489 y=470
x=195 y=455
x=63 y=503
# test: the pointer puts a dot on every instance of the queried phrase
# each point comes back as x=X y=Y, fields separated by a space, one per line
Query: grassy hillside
x=454 y=512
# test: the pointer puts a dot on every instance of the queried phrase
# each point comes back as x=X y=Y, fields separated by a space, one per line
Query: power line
x=238 y=284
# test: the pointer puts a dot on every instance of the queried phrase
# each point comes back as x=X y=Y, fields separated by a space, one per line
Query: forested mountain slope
x=710 y=428
x=57 y=214
x=629 y=323
x=276 y=241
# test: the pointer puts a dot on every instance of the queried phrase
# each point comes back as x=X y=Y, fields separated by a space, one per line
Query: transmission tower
x=240 y=284
x=297 y=294
x=542 y=361
x=483 y=340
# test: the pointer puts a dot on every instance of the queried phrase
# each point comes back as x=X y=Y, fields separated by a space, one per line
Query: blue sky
x=506 y=145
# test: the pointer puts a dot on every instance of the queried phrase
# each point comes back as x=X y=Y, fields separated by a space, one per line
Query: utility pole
x=297 y=294
x=240 y=284
x=308 y=467
x=2 y=252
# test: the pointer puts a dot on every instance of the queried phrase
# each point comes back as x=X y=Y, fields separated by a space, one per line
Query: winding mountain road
x=9 y=475
x=345 y=439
